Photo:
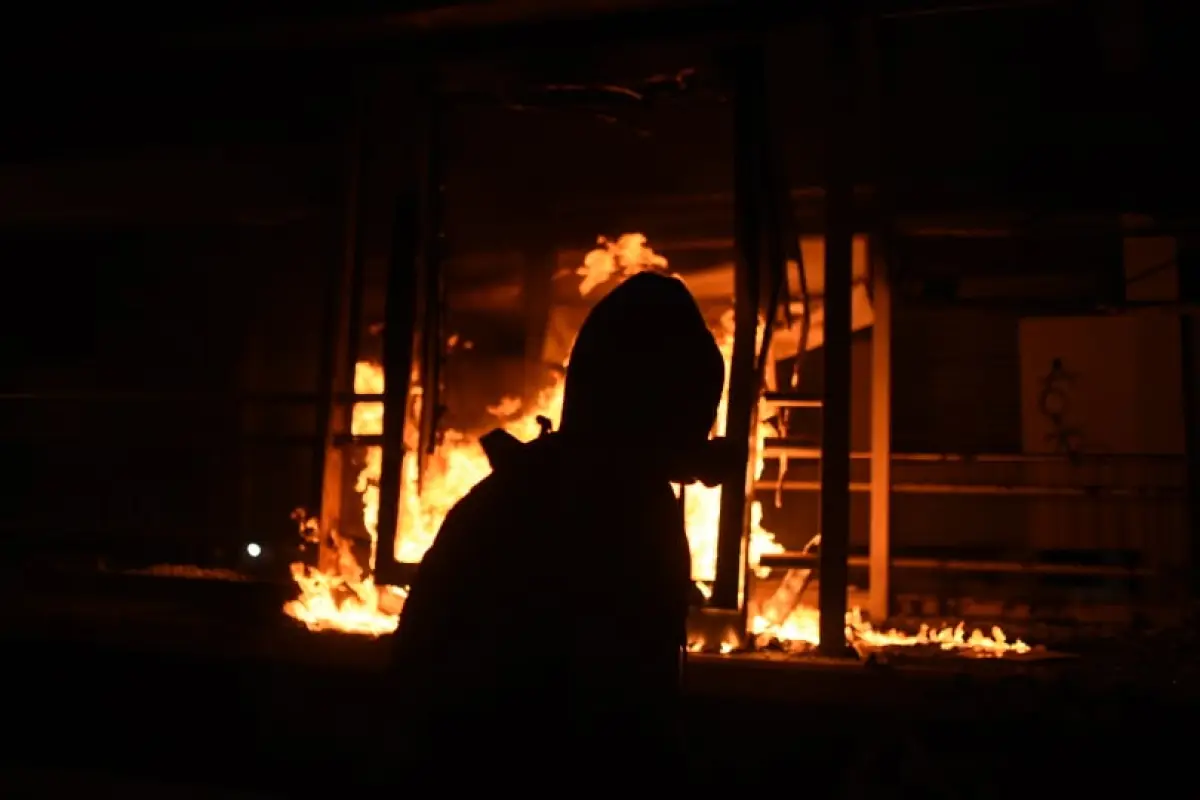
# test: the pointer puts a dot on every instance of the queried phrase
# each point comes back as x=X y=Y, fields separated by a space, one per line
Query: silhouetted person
x=547 y=621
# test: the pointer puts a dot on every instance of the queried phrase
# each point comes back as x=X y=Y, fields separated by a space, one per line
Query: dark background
x=172 y=214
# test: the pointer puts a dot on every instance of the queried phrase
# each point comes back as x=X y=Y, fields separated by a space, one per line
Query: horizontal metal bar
x=980 y=489
x=798 y=560
x=1040 y=306
x=775 y=448
x=165 y=439
x=306 y=398
x=784 y=400
x=772 y=449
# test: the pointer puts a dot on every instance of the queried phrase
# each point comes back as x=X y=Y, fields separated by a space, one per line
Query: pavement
x=18 y=781
x=203 y=697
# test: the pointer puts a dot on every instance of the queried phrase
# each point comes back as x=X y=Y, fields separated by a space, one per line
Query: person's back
x=550 y=612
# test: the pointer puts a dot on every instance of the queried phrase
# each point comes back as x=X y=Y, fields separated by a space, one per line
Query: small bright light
x=253 y=550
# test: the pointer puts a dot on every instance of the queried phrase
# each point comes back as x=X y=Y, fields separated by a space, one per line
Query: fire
x=345 y=597
x=802 y=628
x=626 y=256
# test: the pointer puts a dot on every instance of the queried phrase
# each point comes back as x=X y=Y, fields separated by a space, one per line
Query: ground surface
x=18 y=780
x=168 y=691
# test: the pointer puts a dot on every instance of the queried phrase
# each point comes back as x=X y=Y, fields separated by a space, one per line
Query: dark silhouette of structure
x=548 y=618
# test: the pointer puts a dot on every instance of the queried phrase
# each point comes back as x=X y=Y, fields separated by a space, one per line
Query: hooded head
x=645 y=373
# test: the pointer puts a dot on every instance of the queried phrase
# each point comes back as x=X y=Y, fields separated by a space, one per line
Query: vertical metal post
x=432 y=289
x=338 y=352
x=400 y=306
x=880 y=558
x=749 y=141
x=880 y=537
x=835 y=429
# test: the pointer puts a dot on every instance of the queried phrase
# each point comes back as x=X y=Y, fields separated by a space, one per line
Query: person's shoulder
x=476 y=501
x=659 y=498
x=496 y=498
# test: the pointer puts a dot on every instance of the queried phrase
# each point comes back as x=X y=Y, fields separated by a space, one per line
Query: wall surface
x=969 y=382
x=172 y=251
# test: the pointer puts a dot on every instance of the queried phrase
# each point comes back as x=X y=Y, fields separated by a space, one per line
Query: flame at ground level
x=803 y=627
x=327 y=604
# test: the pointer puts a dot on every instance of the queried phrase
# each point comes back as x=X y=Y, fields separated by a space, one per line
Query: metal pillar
x=408 y=175
x=431 y=287
x=750 y=121
x=343 y=319
x=876 y=92
x=879 y=598
x=398 y=328
x=835 y=428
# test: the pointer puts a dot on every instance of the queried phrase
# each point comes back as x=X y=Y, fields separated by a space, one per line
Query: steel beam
x=431 y=287
x=750 y=136
x=798 y=560
x=835 y=421
x=879 y=584
x=990 y=490
x=336 y=374
x=399 y=324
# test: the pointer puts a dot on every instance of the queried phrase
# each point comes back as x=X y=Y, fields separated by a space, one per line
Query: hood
x=644 y=371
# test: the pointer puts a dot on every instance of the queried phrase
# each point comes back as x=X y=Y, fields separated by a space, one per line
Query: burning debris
x=342 y=596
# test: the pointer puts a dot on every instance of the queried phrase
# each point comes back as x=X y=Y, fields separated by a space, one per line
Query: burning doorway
x=480 y=312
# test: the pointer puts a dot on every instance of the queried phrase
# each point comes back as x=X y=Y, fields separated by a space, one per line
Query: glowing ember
x=345 y=598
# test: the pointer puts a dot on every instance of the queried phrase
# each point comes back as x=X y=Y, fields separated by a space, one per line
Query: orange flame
x=348 y=600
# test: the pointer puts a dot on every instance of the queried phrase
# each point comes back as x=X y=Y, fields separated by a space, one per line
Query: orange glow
x=347 y=600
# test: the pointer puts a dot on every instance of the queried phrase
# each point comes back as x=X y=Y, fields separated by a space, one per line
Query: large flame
x=345 y=597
